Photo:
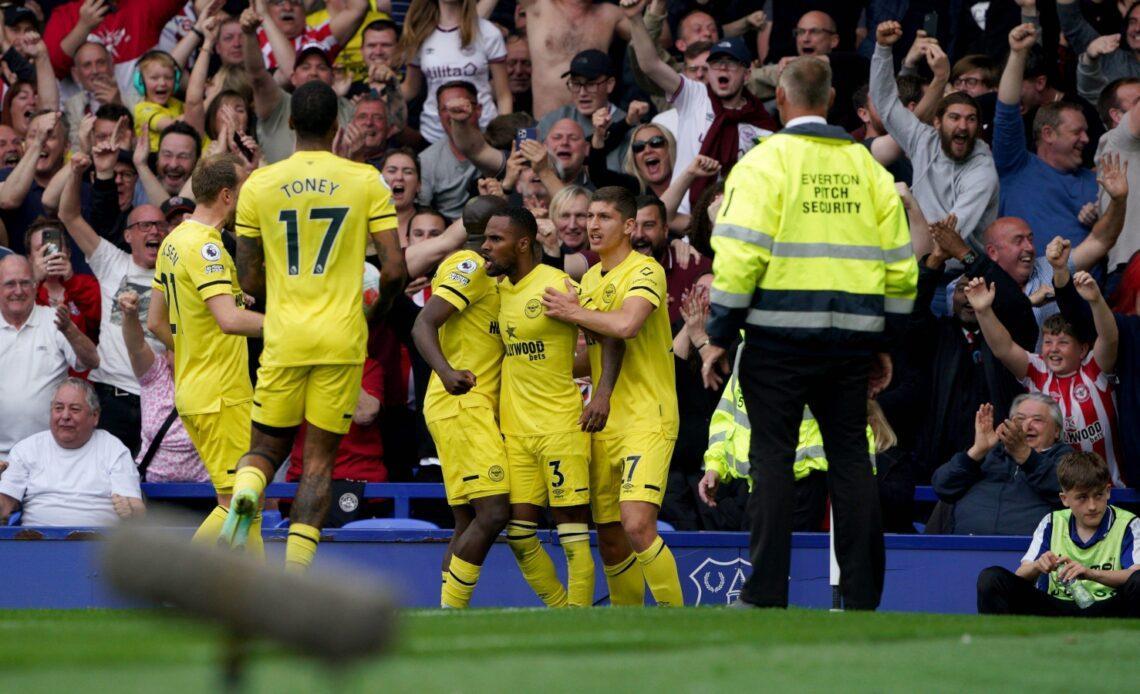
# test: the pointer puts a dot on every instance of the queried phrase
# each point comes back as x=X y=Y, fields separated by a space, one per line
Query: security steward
x=813 y=259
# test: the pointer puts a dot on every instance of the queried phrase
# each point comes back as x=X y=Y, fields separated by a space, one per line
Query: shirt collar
x=804 y=120
x=1101 y=531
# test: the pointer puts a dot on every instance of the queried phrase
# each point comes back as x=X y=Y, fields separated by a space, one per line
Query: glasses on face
x=724 y=65
x=282 y=2
x=149 y=225
x=657 y=142
x=968 y=82
x=814 y=32
x=576 y=86
x=126 y=175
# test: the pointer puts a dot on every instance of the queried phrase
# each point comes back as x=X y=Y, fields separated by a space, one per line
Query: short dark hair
x=457 y=84
x=956 y=98
x=39 y=224
x=1049 y=116
x=622 y=200
x=977 y=61
x=1083 y=471
x=643 y=201
x=382 y=25
x=216 y=105
x=313 y=109
x=1109 y=98
x=501 y=131
x=478 y=210
x=521 y=220
x=696 y=48
x=422 y=210
x=213 y=175
x=1036 y=64
x=910 y=88
x=406 y=151
x=180 y=128
x=113 y=112
x=1056 y=324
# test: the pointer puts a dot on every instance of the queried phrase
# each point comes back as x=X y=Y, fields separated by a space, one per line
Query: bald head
x=816 y=34
x=1009 y=243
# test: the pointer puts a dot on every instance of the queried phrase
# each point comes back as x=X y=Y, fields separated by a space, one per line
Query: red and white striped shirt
x=322 y=34
x=1088 y=406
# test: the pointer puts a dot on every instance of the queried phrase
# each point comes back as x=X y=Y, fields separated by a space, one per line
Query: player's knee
x=641 y=529
x=494 y=516
x=990 y=579
x=1131 y=587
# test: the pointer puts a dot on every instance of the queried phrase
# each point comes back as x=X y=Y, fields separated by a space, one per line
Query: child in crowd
x=1075 y=374
x=157 y=79
x=1083 y=558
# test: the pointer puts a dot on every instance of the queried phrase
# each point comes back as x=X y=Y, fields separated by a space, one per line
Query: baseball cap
x=733 y=48
x=313 y=47
x=590 y=64
x=14 y=14
x=177 y=205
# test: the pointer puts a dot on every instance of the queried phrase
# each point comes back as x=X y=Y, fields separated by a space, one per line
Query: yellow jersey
x=645 y=397
x=470 y=338
x=539 y=395
x=210 y=367
x=147 y=111
x=313 y=213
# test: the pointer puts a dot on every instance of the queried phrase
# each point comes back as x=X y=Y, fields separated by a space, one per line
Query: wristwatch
x=969 y=258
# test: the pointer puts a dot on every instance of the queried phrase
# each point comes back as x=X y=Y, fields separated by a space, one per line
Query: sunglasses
x=657 y=141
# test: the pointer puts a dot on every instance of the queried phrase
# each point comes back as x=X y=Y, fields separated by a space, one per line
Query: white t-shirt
x=694 y=117
x=118 y=273
x=443 y=60
x=33 y=361
x=69 y=487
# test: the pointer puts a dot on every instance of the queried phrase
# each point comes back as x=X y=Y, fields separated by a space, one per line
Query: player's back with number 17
x=313 y=213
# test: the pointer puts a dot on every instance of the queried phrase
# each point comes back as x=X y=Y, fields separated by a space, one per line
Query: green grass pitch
x=647 y=650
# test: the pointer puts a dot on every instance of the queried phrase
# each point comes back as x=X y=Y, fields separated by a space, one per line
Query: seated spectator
x=57 y=284
x=445 y=40
x=1049 y=188
x=957 y=366
x=1102 y=58
x=166 y=453
x=1005 y=481
x=401 y=171
x=71 y=475
x=1074 y=373
x=960 y=178
x=37 y=345
x=1090 y=544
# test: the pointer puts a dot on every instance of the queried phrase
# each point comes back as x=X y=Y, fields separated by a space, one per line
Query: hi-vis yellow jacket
x=730 y=435
x=812 y=247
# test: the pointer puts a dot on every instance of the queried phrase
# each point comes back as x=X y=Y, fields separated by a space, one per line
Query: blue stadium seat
x=662 y=526
x=270 y=518
x=390 y=524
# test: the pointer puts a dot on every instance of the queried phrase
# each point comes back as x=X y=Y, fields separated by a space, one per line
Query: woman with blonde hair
x=444 y=40
x=650 y=157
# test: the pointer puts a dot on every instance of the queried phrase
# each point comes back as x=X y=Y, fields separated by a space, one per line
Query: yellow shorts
x=221 y=438
x=550 y=469
x=633 y=467
x=324 y=395
x=472 y=455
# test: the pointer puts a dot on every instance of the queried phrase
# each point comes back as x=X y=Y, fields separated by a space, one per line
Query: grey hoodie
x=941 y=185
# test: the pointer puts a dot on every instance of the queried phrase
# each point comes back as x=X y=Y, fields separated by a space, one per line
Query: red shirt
x=321 y=34
x=360 y=456
x=128 y=33
x=84 y=303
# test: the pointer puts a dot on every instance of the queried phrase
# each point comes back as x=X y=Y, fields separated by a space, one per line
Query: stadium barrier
x=401 y=493
x=56 y=568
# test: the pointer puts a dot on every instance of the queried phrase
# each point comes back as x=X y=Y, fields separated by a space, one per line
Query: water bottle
x=1080 y=594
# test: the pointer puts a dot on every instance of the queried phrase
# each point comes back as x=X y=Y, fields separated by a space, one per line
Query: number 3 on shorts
x=556 y=474
x=628 y=465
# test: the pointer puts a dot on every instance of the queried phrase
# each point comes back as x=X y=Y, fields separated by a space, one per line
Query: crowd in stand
x=1012 y=128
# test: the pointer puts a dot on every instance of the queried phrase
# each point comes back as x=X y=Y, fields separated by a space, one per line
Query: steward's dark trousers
x=1000 y=591
x=776 y=387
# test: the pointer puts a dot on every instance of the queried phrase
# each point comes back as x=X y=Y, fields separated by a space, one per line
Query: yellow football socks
x=460 y=584
x=626 y=582
x=575 y=539
x=301 y=546
x=207 y=533
x=660 y=570
x=535 y=563
x=249 y=478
